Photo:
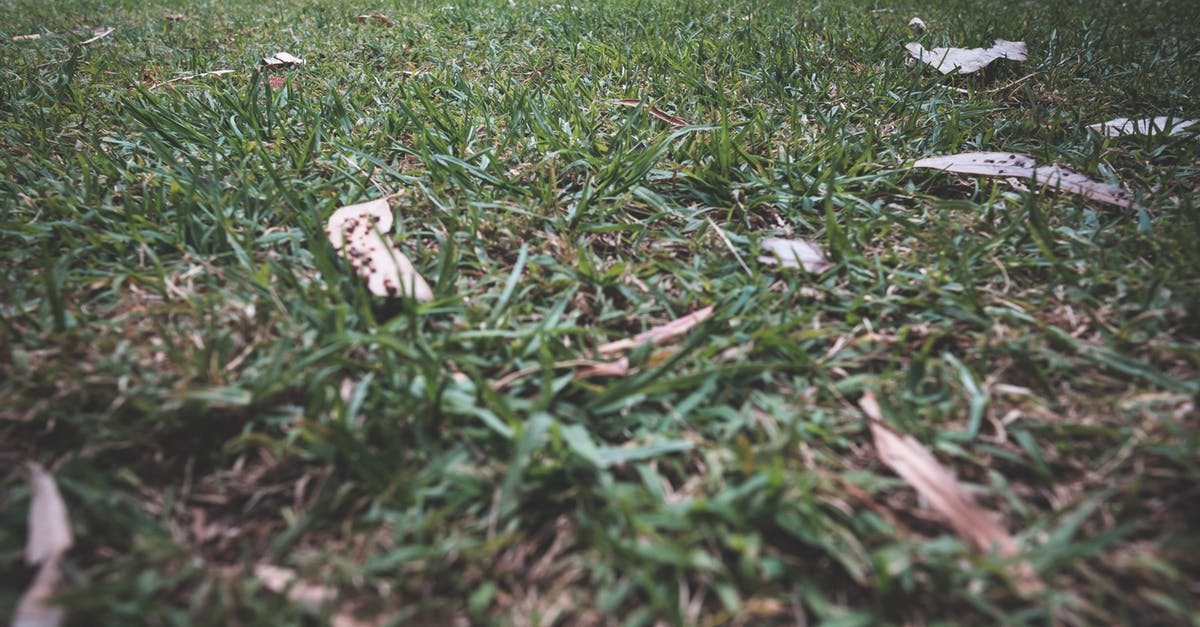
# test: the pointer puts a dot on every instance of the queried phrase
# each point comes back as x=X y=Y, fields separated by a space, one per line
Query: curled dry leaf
x=917 y=23
x=795 y=253
x=967 y=60
x=656 y=112
x=1145 y=126
x=1007 y=164
x=283 y=580
x=49 y=538
x=938 y=487
x=660 y=334
x=375 y=17
x=357 y=231
x=282 y=59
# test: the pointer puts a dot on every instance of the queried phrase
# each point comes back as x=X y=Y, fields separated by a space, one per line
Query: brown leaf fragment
x=1145 y=126
x=375 y=17
x=660 y=334
x=1007 y=164
x=30 y=37
x=175 y=17
x=941 y=490
x=282 y=580
x=656 y=112
x=281 y=60
x=917 y=24
x=967 y=60
x=49 y=528
x=795 y=253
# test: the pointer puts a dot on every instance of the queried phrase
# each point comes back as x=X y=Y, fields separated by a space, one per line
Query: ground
x=215 y=390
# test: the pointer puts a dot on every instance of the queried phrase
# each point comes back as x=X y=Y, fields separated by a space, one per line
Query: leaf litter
x=967 y=60
x=795 y=253
x=1013 y=165
x=673 y=120
x=282 y=60
x=358 y=232
x=49 y=538
x=1146 y=126
x=941 y=490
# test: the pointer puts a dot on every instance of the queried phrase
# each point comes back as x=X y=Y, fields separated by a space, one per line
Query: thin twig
x=100 y=34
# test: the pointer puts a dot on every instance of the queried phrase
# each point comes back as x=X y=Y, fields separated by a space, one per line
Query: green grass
x=214 y=389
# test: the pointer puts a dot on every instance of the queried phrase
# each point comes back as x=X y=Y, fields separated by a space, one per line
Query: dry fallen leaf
x=49 y=538
x=917 y=23
x=175 y=17
x=357 y=231
x=938 y=487
x=282 y=59
x=660 y=334
x=1144 y=126
x=30 y=37
x=49 y=528
x=795 y=253
x=376 y=17
x=1007 y=164
x=280 y=580
x=656 y=112
x=967 y=60
x=98 y=33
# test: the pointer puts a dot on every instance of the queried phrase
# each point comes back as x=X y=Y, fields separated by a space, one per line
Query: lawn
x=244 y=434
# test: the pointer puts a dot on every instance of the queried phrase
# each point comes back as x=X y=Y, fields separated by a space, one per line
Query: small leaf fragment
x=49 y=538
x=660 y=334
x=282 y=59
x=917 y=23
x=375 y=17
x=29 y=37
x=49 y=528
x=357 y=231
x=282 y=580
x=967 y=60
x=1008 y=165
x=673 y=120
x=795 y=253
x=1145 y=126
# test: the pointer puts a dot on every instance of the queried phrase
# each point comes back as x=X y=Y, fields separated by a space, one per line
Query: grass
x=214 y=389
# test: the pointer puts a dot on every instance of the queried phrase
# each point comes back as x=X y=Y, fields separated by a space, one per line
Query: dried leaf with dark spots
x=1008 y=164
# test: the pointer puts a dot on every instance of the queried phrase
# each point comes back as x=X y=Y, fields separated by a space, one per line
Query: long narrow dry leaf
x=29 y=37
x=1145 y=126
x=188 y=78
x=660 y=334
x=967 y=60
x=282 y=580
x=97 y=34
x=939 y=488
x=49 y=527
x=673 y=120
x=357 y=231
x=34 y=608
x=795 y=253
x=1007 y=164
